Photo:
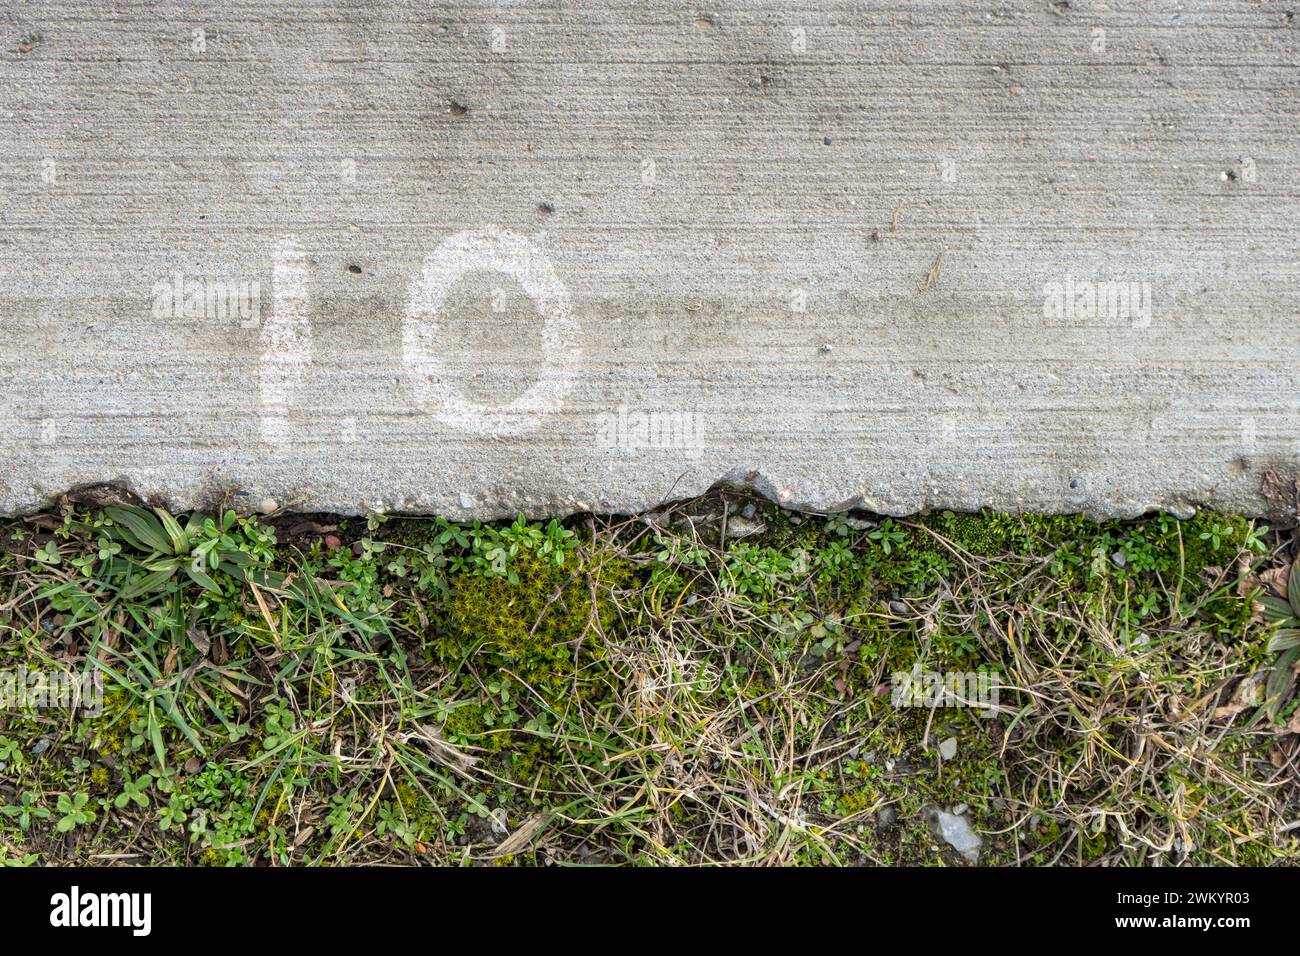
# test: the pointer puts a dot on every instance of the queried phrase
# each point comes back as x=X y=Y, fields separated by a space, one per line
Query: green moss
x=659 y=698
x=546 y=631
x=474 y=723
x=422 y=817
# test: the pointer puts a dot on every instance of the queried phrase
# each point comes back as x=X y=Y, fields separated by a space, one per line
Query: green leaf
x=1285 y=639
x=120 y=533
x=180 y=540
x=147 y=583
x=1275 y=609
x=1293 y=586
x=201 y=577
x=1279 y=681
x=271 y=580
x=154 y=730
x=233 y=570
x=142 y=525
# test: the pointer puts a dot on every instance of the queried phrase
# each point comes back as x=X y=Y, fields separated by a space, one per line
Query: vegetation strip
x=717 y=682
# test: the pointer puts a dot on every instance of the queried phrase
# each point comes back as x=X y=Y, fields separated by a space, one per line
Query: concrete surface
x=511 y=256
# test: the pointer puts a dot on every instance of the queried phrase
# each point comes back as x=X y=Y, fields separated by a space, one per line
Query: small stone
x=955 y=830
x=268 y=506
x=193 y=766
x=948 y=749
x=1119 y=559
x=738 y=527
x=498 y=821
x=333 y=542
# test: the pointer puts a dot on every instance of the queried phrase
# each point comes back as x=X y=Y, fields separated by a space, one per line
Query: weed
x=648 y=691
x=74 y=810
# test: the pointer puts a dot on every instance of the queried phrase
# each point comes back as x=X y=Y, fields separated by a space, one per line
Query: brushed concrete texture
x=478 y=258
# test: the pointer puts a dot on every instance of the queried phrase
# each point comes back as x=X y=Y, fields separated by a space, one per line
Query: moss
x=115 y=735
x=901 y=770
x=546 y=630
x=633 y=702
x=531 y=765
x=470 y=722
x=424 y=821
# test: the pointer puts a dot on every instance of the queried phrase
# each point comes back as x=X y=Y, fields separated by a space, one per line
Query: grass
x=309 y=690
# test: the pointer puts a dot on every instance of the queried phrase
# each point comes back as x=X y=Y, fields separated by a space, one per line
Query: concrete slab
x=479 y=258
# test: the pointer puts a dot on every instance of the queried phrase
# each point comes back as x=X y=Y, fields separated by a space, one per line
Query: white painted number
x=286 y=336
